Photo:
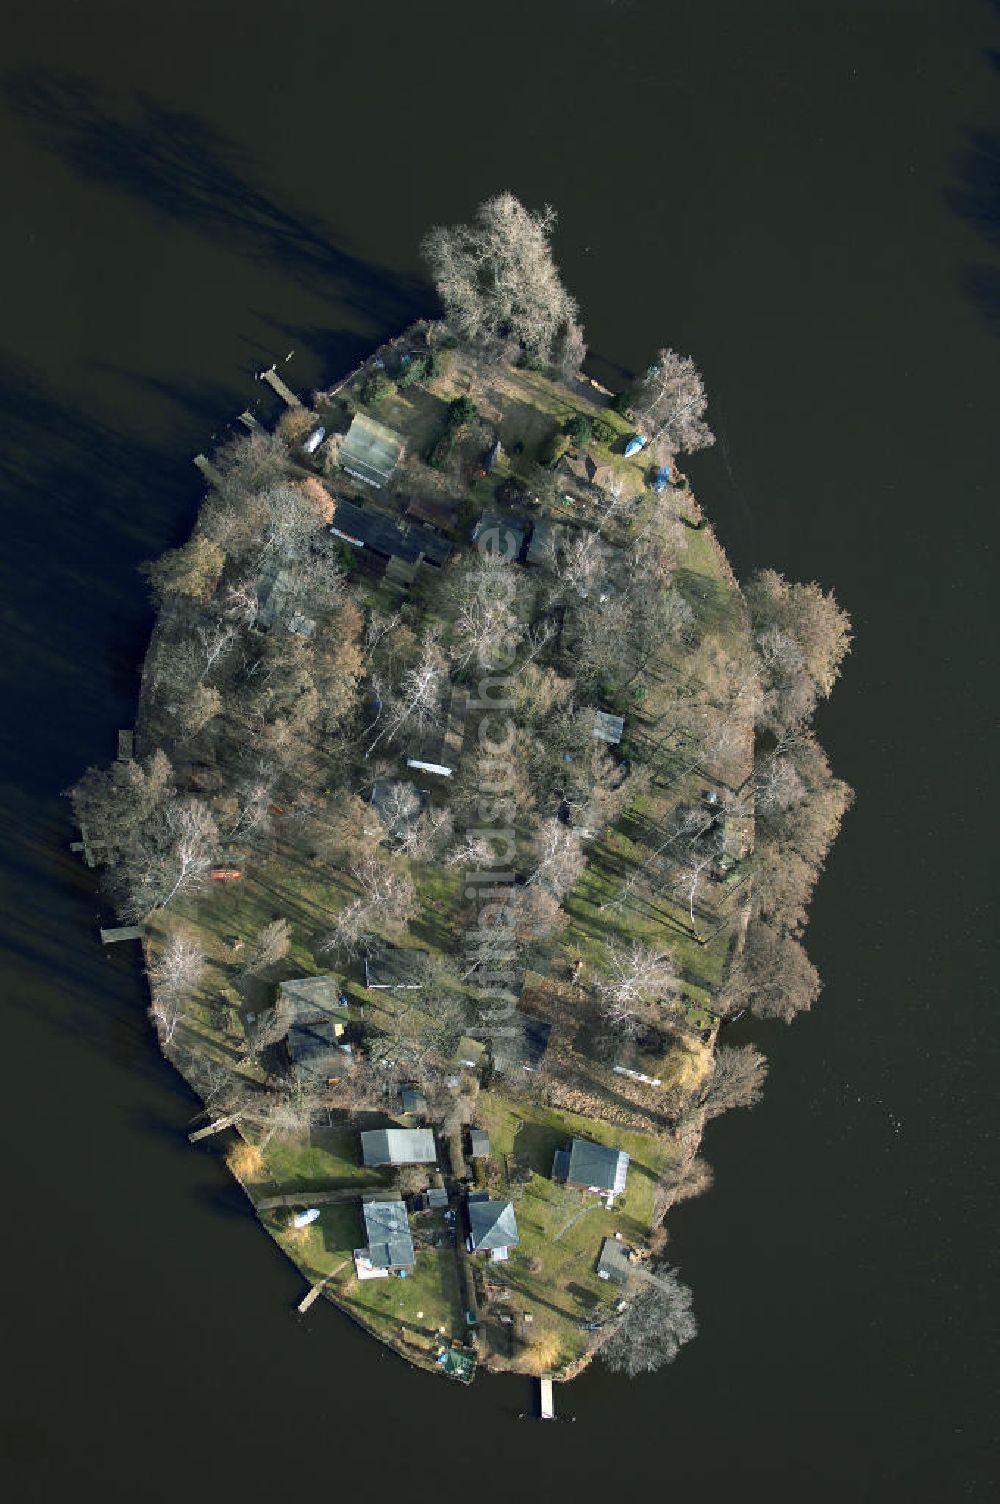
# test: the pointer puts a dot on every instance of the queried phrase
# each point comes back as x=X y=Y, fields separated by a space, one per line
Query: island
x=471 y=802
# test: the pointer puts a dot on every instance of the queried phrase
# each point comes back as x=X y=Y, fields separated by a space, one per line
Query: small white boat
x=303 y=1219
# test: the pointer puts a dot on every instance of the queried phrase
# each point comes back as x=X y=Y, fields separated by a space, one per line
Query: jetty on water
x=547 y=1404
x=121 y=932
x=276 y=384
x=207 y=469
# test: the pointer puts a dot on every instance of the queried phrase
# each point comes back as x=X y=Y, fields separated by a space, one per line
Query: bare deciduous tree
x=657 y=1323
x=174 y=973
x=737 y=1079
x=558 y=858
x=271 y=946
x=498 y=281
x=669 y=404
x=637 y=980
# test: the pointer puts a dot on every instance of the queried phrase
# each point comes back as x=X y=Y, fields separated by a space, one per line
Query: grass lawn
x=553 y=1271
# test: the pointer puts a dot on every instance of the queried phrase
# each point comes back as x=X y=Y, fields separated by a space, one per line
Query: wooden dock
x=126 y=746
x=276 y=384
x=547 y=1404
x=315 y=1291
x=249 y=421
x=216 y=1127
x=207 y=469
x=121 y=932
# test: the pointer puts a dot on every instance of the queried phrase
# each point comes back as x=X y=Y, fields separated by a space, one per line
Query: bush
x=603 y=431
x=440 y=451
x=376 y=388
x=417 y=368
x=621 y=402
x=553 y=449
x=529 y=362
x=579 y=429
x=461 y=412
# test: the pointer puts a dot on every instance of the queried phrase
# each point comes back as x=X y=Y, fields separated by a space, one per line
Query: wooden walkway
x=126 y=746
x=276 y=384
x=314 y=1198
x=121 y=932
x=547 y=1404
x=316 y=1291
x=216 y=1127
x=249 y=421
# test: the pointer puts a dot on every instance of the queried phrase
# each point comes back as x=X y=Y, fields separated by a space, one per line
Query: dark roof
x=546 y=537
x=369 y=528
x=398 y=1146
x=507 y=539
x=413 y=1099
x=311 y=1041
x=479 y=1143
x=597 y=1166
x=560 y=1164
x=523 y=1049
x=390 y=1245
x=492 y=1224
x=435 y=513
x=392 y=966
x=436 y=1196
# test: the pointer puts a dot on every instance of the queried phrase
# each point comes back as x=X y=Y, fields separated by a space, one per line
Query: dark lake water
x=807 y=198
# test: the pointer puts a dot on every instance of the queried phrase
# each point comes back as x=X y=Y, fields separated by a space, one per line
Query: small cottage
x=592 y=1167
x=398 y=1146
x=492 y=1227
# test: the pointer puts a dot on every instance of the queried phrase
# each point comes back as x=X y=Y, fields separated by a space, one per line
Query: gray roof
x=608 y=728
x=370 y=451
x=492 y=1224
x=398 y=1146
x=390 y=1245
x=413 y=1099
x=613 y=1261
x=560 y=1164
x=393 y=966
x=597 y=1165
x=479 y=1143
x=437 y=1196
x=311 y=994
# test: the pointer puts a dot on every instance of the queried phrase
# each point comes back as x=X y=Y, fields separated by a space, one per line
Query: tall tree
x=669 y=404
x=654 y=1328
x=498 y=281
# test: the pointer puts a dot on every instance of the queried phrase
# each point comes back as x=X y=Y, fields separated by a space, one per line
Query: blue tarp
x=634 y=445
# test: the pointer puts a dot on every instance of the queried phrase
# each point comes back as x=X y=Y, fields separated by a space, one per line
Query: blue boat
x=662 y=480
x=634 y=445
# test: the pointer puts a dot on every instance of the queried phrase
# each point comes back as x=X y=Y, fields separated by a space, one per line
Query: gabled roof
x=597 y=1166
x=394 y=966
x=370 y=451
x=479 y=1143
x=390 y=1245
x=398 y=1146
x=309 y=994
x=500 y=535
x=413 y=1099
x=608 y=728
x=546 y=537
x=492 y=1224
x=311 y=1041
x=367 y=527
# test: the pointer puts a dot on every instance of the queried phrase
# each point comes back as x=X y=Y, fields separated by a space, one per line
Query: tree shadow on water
x=188 y=171
x=975 y=197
